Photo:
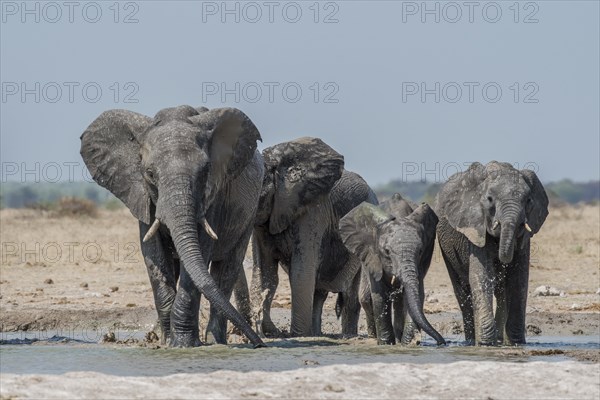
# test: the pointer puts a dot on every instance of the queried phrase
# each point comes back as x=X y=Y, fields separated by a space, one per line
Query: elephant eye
x=150 y=174
x=490 y=199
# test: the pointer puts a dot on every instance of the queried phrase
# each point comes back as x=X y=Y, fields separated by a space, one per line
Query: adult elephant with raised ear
x=192 y=178
x=488 y=215
x=305 y=192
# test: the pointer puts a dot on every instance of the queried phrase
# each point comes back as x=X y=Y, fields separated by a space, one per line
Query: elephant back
x=349 y=191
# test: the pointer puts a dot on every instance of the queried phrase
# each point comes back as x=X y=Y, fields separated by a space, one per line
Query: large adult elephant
x=395 y=244
x=305 y=192
x=487 y=217
x=186 y=175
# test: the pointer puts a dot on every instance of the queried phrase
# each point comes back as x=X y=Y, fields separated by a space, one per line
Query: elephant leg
x=163 y=272
x=318 y=301
x=367 y=303
x=462 y=291
x=517 y=280
x=264 y=283
x=242 y=297
x=481 y=280
x=400 y=314
x=351 y=308
x=226 y=273
x=383 y=313
x=184 y=314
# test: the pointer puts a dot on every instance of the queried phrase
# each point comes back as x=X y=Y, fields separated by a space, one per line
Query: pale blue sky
x=181 y=52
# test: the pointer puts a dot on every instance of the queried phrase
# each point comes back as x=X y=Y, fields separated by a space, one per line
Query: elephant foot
x=269 y=329
x=184 y=339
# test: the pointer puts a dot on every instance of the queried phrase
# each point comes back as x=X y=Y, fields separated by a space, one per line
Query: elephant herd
x=201 y=191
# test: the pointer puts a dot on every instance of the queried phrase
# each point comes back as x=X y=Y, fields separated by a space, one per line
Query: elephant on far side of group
x=305 y=192
x=488 y=215
x=395 y=245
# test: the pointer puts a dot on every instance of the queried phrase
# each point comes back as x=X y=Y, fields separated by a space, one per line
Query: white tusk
x=496 y=223
x=152 y=231
x=393 y=280
x=528 y=227
x=209 y=230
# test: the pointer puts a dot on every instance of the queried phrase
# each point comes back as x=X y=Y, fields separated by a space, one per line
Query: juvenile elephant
x=186 y=175
x=395 y=244
x=305 y=192
x=487 y=217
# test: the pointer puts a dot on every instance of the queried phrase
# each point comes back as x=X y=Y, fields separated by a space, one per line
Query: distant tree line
x=19 y=195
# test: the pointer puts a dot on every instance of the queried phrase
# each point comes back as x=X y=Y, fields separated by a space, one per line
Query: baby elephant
x=395 y=244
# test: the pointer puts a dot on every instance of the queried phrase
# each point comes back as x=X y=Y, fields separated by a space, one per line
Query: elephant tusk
x=528 y=227
x=496 y=223
x=208 y=229
x=393 y=280
x=152 y=231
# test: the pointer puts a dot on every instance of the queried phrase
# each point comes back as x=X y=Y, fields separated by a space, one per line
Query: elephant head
x=496 y=200
x=168 y=169
x=391 y=249
x=296 y=173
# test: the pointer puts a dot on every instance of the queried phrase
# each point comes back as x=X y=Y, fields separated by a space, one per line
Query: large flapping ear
x=397 y=206
x=425 y=217
x=110 y=148
x=537 y=208
x=459 y=202
x=232 y=142
x=358 y=230
x=303 y=170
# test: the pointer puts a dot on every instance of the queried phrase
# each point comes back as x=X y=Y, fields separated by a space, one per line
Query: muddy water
x=42 y=352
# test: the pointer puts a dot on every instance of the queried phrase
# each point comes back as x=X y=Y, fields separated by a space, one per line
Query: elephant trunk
x=410 y=281
x=180 y=216
x=508 y=225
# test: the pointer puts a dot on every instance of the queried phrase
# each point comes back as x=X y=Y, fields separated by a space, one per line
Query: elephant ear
x=537 y=208
x=358 y=230
x=232 y=142
x=303 y=170
x=459 y=202
x=426 y=218
x=110 y=148
x=397 y=206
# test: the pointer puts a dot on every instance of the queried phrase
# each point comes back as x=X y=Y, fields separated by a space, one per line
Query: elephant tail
x=339 y=305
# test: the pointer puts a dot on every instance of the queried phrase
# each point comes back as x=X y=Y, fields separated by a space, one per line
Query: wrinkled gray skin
x=395 y=244
x=181 y=167
x=305 y=192
x=484 y=213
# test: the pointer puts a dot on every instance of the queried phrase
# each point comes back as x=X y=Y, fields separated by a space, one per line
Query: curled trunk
x=182 y=222
x=408 y=274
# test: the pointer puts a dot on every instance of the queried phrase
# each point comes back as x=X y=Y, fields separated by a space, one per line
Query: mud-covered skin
x=487 y=217
x=179 y=169
x=306 y=178
x=395 y=244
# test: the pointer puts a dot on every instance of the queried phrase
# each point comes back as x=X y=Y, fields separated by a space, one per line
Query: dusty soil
x=80 y=273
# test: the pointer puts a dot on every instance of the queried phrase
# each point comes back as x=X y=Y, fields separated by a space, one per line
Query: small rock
x=39 y=289
x=533 y=330
x=130 y=305
x=432 y=299
x=84 y=285
x=334 y=388
x=310 y=362
x=49 y=281
x=109 y=337
x=598 y=291
x=114 y=288
x=151 y=337
x=575 y=306
x=578 y=332
x=546 y=290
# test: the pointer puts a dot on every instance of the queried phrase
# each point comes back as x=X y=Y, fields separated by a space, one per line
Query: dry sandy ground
x=76 y=273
